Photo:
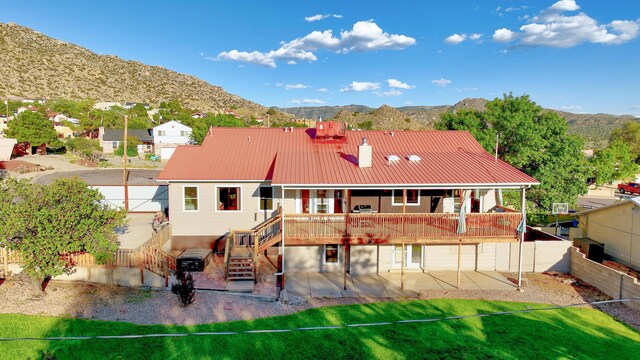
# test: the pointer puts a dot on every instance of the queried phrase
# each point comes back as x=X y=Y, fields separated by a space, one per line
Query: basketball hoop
x=560 y=209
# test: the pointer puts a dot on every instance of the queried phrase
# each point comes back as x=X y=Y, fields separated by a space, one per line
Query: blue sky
x=579 y=56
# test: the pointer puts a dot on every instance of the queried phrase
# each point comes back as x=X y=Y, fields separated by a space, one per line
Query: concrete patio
x=308 y=285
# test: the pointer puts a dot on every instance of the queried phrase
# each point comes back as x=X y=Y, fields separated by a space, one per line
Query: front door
x=412 y=256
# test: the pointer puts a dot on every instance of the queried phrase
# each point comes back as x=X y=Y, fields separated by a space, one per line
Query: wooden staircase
x=243 y=247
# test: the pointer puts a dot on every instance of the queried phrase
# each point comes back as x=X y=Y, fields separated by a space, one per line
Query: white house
x=168 y=136
x=105 y=105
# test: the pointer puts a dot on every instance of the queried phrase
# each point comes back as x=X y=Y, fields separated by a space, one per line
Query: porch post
x=344 y=260
x=524 y=227
x=282 y=232
x=459 y=262
x=402 y=268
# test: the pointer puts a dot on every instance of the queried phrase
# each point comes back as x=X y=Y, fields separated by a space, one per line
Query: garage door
x=166 y=152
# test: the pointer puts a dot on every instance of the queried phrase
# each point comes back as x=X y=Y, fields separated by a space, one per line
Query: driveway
x=137 y=231
x=308 y=285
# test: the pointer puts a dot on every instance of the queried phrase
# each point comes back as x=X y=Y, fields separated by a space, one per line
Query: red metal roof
x=296 y=158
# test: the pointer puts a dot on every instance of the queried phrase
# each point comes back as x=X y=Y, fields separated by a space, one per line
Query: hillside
x=595 y=128
x=37 y=66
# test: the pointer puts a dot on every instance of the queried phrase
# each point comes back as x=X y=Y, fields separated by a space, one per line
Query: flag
x=462 y=221
x=522 y=227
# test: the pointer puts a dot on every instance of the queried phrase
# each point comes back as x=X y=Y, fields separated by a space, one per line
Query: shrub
x=184 y=287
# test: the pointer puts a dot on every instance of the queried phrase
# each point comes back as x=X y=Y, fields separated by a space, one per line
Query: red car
x=631 y=188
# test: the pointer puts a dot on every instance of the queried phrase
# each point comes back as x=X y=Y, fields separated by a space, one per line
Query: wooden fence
x=148 y=256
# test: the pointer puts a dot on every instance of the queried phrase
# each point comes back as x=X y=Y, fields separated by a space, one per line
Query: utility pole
x=124 y=170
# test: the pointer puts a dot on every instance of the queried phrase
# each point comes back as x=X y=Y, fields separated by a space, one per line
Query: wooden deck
x=310 y=229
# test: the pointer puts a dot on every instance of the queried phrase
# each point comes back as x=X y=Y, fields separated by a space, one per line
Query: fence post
x=5 y=262
x=142 y=268
x=165 y=271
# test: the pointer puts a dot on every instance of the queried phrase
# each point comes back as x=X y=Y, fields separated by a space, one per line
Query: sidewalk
x=308 y=285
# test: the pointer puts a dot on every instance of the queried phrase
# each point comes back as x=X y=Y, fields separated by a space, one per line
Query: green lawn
x=565 y=333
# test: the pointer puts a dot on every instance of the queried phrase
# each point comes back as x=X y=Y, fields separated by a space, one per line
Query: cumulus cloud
x=442 y=82
x=364 y=36
x=307 y=101
x=254 y=57
x=295 y=86
x=456 y=39
x=399 y=84
x=392 y=92
x=291 y=62
x=361 y=86
x=553 y=27
x=318 y=17
x=323 y=90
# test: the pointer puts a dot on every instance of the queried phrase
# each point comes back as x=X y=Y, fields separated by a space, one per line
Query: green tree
x=531 y=140
x=46 y=223
x=200 y=128
x=365 y=125
x=32 y=127
x=84 y=147
x=615 y=162
x=132 y=147
x=271 y=111
x=629 y=134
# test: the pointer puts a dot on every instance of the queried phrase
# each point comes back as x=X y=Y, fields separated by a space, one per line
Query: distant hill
x=595 y=128
x=36 y=66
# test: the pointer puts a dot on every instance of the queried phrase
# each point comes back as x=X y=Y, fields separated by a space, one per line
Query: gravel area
x=106 y=302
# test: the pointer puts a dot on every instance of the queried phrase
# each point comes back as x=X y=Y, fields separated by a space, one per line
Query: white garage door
x=166 y=152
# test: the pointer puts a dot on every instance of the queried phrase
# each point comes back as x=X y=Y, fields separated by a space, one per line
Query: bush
x=184 y=287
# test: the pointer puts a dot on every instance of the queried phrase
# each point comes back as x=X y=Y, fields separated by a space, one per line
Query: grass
x=565 y=333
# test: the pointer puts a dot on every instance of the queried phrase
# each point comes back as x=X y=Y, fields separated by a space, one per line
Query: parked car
x=631 y=188
x=564 y=226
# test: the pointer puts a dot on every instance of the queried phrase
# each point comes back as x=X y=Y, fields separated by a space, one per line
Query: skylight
x=414 y=158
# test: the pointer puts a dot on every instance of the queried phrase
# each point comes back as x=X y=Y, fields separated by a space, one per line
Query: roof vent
x=414 y=158
x=393 y=159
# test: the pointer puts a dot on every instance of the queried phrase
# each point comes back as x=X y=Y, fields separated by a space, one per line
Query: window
x=184 y=133
x=266 y=198
x=229 y=199
x=331 y=254
x=190 y=198
x=115 y=144
x=162 y=132
x=413 y=197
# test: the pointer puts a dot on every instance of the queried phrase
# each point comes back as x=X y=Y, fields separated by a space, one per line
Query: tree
x=615 y=162
x=201 y=127
x=132 y=147
x=86 y=148
x=271 y=111
x=32 y=127
x=629 y=134
x=531 y=140
x=47 y=223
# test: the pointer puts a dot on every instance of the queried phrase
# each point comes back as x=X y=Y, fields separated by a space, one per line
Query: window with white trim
x=331 y=253
x=413 y=197
x=162 y=133
x=190 y=194
x=229 y=199
x=184 y=133
x=266 y=198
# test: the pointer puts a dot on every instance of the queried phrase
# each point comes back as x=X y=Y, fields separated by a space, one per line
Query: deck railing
x=389 y=226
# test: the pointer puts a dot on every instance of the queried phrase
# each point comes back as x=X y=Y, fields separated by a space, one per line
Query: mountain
x=594 y=128
x=37 y=66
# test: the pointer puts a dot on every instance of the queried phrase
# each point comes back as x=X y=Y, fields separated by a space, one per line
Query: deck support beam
x=402 y=267
x=459 y=263
x=524 y=228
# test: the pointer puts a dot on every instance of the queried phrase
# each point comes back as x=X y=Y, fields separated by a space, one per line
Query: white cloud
x=200 y=53
x=291 y=62
x=306 y=101
x=364 y=36
x=399 y=84
x=392 y=92
x=318 y=17
x=442 y=82
x=323 y=90
x=475 y=37
x=455 y=39
x=295 y=86
x=503 y=35
x=254 y=57
x=515 y=8
x=554 y=28
x=361 y=86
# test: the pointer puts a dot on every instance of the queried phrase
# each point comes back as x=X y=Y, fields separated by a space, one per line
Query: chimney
x=364 y=154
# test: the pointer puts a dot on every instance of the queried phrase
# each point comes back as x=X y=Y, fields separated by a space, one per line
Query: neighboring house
x=168 y=136
x=358 y=201
x=56 y=117
x=198 y=115
x=110 y=139
x=617 y=226
x=128 y=105
x=233 y=113
x=105 y=105
x=6 y=148
x=63 y=131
